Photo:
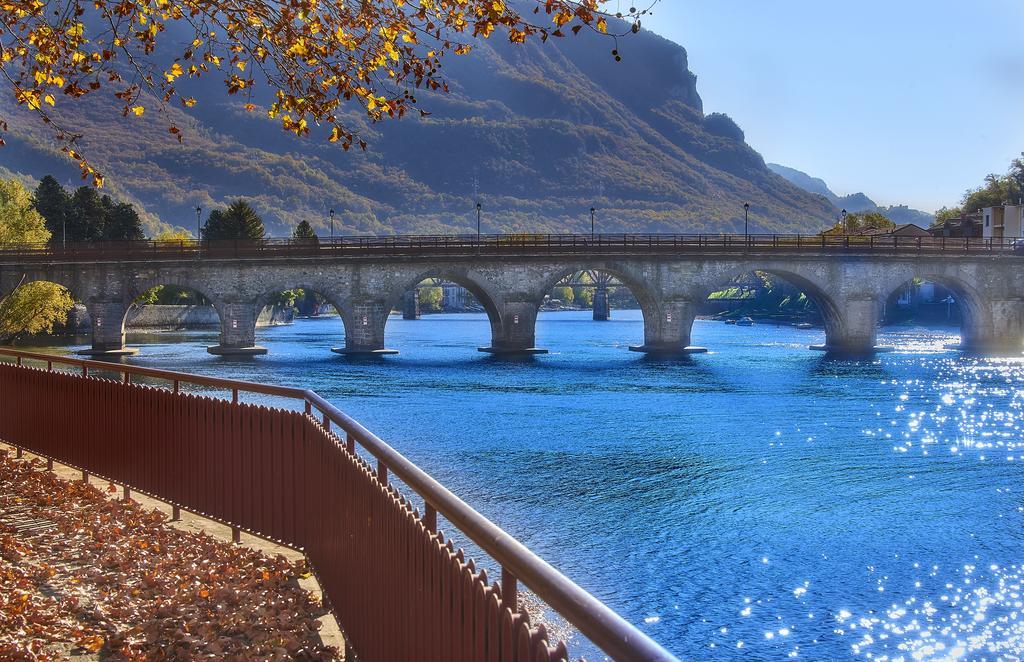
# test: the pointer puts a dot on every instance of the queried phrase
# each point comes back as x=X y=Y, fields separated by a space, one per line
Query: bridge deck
x=515 y=245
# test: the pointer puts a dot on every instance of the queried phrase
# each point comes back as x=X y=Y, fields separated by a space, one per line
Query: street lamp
x=846 y=230
x=746 y=218
x=478 y=208
x=592 y=223
x=199 y=232
x=331 y=213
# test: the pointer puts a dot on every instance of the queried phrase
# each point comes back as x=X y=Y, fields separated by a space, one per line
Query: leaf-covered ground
x=82 y=573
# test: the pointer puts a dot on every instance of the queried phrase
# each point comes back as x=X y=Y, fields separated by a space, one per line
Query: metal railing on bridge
x=399 y=587
x=499 y=245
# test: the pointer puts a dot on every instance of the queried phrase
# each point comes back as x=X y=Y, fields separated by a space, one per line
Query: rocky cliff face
x=537 y=133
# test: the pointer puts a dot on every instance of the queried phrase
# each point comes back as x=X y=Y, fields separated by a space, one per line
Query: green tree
x=52 y=202
x=32 y=307
x=86 y=215
x=20 y=222
x=946 y=214
x=238 y=221
x=863 y=220
x=997 y=190
x=122 y=223
x=304 y=231
x=431 y=298
x=564 y=294
x=583 y=296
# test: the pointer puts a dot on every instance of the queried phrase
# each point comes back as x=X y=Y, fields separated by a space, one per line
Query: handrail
x=495 y=244
x=600 y=624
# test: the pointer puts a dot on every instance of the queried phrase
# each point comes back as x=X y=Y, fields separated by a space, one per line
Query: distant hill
x=853 y=202
x=538 y=133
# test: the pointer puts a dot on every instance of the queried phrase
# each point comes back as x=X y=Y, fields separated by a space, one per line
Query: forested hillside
x=538 y=133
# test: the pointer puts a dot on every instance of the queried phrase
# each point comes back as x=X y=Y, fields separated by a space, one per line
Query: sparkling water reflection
x=761 y=501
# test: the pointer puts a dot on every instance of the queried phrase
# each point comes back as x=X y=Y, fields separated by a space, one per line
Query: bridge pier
x=411 y=305
x=602 y=309
x=515 y=330
x=237 y=331
x=364 y=336
x=667 y=329
x=854 y=330
x=107 y=329
x=1002 y=334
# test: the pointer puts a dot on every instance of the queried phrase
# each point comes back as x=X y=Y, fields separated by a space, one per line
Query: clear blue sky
x=908 y=101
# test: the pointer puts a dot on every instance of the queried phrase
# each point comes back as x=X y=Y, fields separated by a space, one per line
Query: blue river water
x=761 y=501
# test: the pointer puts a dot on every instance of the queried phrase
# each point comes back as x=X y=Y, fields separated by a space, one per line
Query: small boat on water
x=744 y=321
x=730 y=321
x=804 y=325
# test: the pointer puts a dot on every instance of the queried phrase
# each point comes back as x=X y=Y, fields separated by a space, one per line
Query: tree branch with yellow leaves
x=318 y=58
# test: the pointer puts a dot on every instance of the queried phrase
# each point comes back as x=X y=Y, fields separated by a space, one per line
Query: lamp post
x=478 y=208
x=331 y=214
x=64 y=231
x=746 y=218
x=846 y=230
x=592 y=210
x=199 y=231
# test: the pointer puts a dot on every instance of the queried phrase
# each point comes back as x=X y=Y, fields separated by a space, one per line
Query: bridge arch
x=826 y=302
x=140 y=287
x=652 y=307
x=267 y=298
x=476 y=284
x=978 y=326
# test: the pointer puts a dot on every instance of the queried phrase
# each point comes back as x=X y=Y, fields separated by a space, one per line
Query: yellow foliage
x=173 y=235
x=33 y=307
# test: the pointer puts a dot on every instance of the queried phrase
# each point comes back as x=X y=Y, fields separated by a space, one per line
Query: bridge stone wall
x=849 y=289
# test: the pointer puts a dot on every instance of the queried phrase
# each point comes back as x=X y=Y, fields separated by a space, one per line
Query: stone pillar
x=667 y=329
x=107 y=320
x=237 y=331
x=998 y=327
x=515 y=331
x=602 y=309
x=855 y=328
x=411 y=305
x=364 y=330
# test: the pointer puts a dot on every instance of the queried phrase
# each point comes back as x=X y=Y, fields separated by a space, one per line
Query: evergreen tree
x=86 y=215
x=52 y=203
x=304 y=231
x=238 y=221
x=123 y=223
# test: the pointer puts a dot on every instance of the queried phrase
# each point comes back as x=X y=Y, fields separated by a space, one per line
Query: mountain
x=538 y=133
x=855 y=201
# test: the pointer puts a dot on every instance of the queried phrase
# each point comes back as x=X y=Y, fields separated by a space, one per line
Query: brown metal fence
x=399 y=587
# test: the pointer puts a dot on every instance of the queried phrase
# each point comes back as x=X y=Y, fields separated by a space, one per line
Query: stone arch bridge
x=669 y=275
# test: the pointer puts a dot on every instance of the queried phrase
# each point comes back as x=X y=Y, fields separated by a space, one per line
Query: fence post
x=430 y=517
x=509 y=590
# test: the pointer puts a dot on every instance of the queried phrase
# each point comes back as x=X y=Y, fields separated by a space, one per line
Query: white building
x=1002 y=222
